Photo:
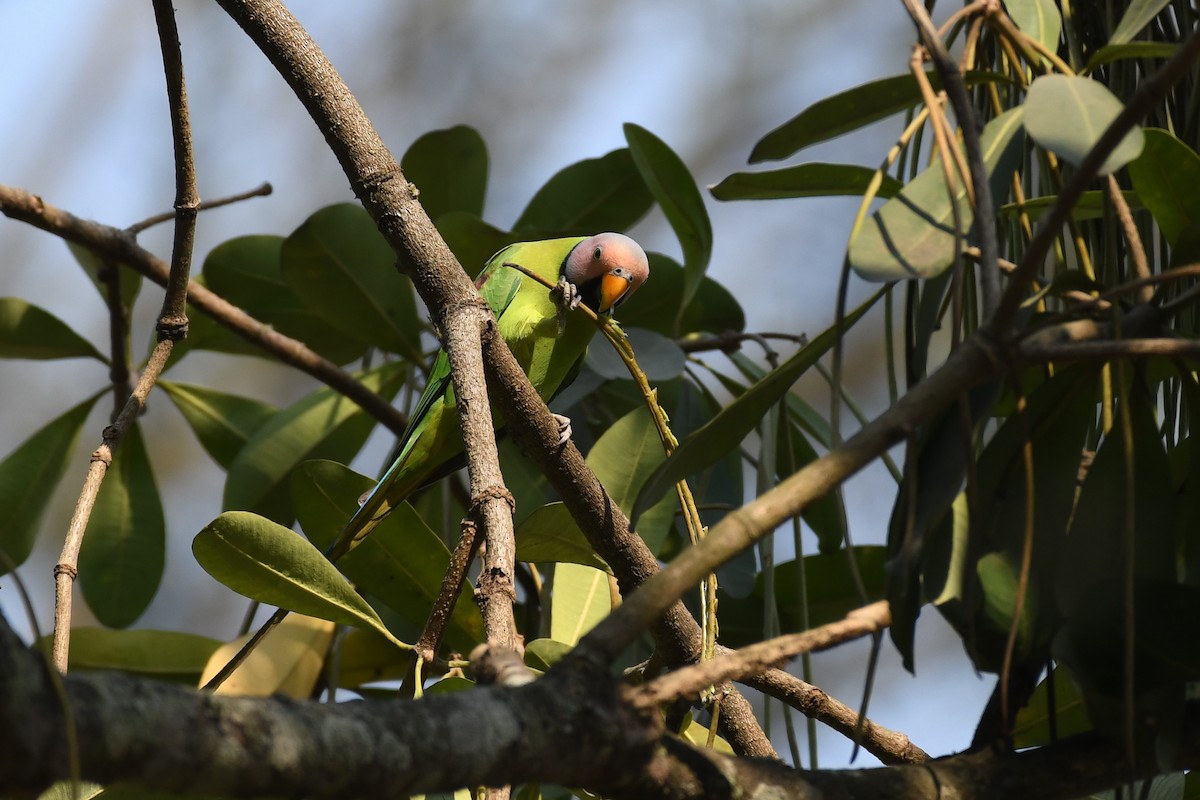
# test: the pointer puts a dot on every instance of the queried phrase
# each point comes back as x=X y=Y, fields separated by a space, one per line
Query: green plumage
x=527 y=319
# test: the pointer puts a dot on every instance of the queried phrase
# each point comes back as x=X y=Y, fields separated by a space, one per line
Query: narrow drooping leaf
x=1068 y=114
x=340 y=266
x=581 y=599
x=27 y=331
x=124 y=547
x=1166 y=177
x=222 y=422
x=29 y=476
x=324 y=424
x=549 y=534
x=288 y=661
x=804 y=180
x=276 y=566
x=1137 y=16
x=590 y=196
x=675 y=190
x=655 y=306
x=737 y=420
x=450 y=169
x=166 y=655
x=131 y=282
x=1091 y=204
x=912 y=235
x=1130 y=50
x=401 y=564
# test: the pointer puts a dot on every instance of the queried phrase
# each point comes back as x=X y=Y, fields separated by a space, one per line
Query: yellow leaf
x=288 y=661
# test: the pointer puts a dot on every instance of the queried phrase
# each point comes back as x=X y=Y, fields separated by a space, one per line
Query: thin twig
x=118 y=335
x=262 y=190
x=1137 y=252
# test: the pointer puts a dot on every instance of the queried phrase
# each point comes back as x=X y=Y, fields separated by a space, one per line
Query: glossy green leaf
x=27 y=331
x=222 y=422
x=1131 y=50
x=831 y=594
x=246 y=271
x=367 y=657
x=29 y=476
x=1038 y=19
x=804 y=180
x=165 y=655
x=912 y=235
x=734 y=422
x=131 y=282
x=675 y=190
x=545 y=653
x=655 y=306
x=659 y=357
x=1091 y=204
x=1068 y=114
x=549 y=534
x=580 y=599
x=276 y=566
x=850 y=110
x=1032 y=728
x=323 y=424
x=472 y=240
x=623 y=459
x=1138 y=15
x=401 y=564
x=124 y=547
x=450 y=169
x=803 y=414
x=590 y=196
x=1166 y=177
x=340 y=266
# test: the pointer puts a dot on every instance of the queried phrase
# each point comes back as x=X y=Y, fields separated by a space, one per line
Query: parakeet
x=549 y=343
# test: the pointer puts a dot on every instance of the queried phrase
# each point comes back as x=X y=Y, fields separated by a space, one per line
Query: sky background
x=83 y=122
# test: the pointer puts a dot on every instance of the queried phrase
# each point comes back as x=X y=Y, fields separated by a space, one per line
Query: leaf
x=549 y=534
x=450 y=169
x=323 y=424
x=734 y=422
x=1032 y=728
x=912 y=235
x=222 y=422
x=697 y=734
x=1130 y=50
x=675 y=190
x=401 y=564
x=543 y=654
x=288 y=661
x=590 y=196
x=276 y=566
x=29 y=476
x=804 y=180
x=1038 y=19
x=580 y=600
x=1165 y=177
x=656 y=305
x=246 y=271
x=659 y=357
x=131 y=281
x=27 y=331
x=367 y=657
x=850 y=110
x=1091 y=204
x=342 y=269
x=1137 y=16
x=121 y=562
x=164 y=655
x=1068 y=114
x=472 y=240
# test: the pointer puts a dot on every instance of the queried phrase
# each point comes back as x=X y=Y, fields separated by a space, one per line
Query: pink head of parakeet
x=606 y=269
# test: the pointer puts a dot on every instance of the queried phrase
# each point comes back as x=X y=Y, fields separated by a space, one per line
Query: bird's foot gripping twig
x=564 y=428
x=566 y=299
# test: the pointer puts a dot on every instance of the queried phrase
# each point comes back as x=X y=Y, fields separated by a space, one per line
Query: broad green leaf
x=165 y=655
x=804 y=180
x=803 y=414
x=1068 y=114
x=1166 y=177
x=549 y=534
x=1091 y=204
x=623 y=458
x=472 y=240
x=29 y=476
x=1038 y=19
x=323 y=424
x=27 y=331
x=912 y=235
x=131 y=282
x=222 y=422
x=1137 y=16
x=1032 y=728
x=850 y=110
x=121 y=562
x=655 y=306
x=246 y=272
x=545 y=653
x=367 y=657
x=1131 y=50
x=401 y=564
x=288 y=661
x=734 y=422
x=831 y=594
x=450 y=169
x=340 y=266
x=581 y=599
x=675 y=190
x=590 y=196
x=659 y=357
x=276 y=566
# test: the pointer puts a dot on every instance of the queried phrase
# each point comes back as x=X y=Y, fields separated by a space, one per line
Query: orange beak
x=612 y=288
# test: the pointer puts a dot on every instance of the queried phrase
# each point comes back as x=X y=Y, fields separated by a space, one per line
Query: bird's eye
x=597 y=253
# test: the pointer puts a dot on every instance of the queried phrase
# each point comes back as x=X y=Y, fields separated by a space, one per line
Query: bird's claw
x=564 y=428
x=566 y=299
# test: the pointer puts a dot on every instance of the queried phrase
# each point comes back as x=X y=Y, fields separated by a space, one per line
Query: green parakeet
x=600 y=271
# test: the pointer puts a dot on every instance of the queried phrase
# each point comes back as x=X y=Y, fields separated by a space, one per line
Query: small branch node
x=66 y=569
x=493 y=493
